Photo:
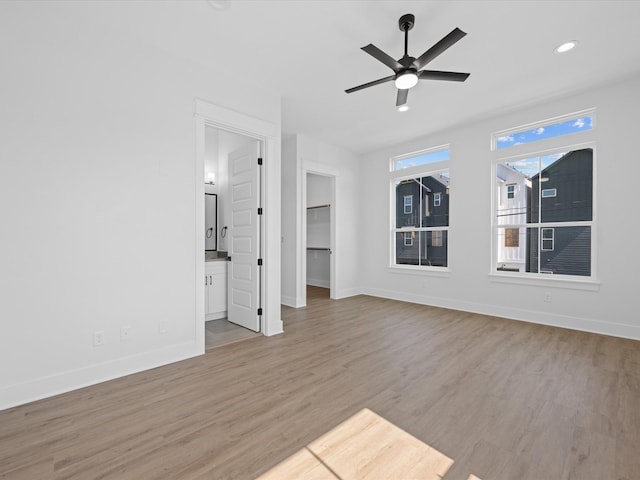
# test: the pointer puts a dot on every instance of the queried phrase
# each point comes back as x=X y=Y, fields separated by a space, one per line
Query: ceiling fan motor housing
x=406 y=22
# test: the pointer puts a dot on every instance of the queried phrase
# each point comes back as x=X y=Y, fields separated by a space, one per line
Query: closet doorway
x=319 y=229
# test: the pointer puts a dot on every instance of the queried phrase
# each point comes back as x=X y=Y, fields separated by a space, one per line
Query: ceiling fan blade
x=402 y=96
x=447 y=41
x=379 y=55
x=436 y=75
x=371 y=84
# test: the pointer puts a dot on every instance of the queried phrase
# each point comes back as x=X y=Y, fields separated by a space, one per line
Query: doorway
x=319 y=232
x=232 y=280
x=268 y=134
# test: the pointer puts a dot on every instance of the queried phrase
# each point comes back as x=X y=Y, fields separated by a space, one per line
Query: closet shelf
x=318 y=206
x=319 y=248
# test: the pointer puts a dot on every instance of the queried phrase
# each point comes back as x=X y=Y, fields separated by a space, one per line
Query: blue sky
x=532 y=166
x=423 y=159
x=549 y=131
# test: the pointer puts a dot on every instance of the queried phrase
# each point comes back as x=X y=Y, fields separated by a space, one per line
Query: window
x=408 y=204
x=436 y=238
x=511 y=237
x=424 y=157
x=420 y=235
x=547 y=239
x=548 y=228
x=544 y=223
x=408 y=239
x=565 y=125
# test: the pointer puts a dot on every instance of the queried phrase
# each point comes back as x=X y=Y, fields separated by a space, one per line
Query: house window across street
x=547 y=239
x=408 y=204
x=408 y=239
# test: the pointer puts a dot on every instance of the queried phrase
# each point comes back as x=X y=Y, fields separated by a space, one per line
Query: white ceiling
x=309 y=53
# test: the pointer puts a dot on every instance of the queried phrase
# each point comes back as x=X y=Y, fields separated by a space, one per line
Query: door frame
x=310 y=167
x=209 y=114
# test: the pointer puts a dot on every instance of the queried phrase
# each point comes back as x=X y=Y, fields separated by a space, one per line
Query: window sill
x=553 y=282
x=423 y=271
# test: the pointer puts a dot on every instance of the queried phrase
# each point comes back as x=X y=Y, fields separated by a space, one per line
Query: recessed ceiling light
x=565 y=47
x=403 y=108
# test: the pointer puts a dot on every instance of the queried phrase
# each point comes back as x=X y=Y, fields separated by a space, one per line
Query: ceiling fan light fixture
x=403 y=108
x=406 y=80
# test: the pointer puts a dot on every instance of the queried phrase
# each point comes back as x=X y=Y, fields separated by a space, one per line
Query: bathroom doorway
x=232 y=300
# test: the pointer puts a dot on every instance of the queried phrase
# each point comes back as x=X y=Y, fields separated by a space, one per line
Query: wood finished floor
x=503 y=399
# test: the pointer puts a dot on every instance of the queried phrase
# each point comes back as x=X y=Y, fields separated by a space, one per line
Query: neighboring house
x=422 y=202
x=566 y=196
x=513 y=190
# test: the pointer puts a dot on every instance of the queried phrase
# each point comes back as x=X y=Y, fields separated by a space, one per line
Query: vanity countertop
x=217 y=256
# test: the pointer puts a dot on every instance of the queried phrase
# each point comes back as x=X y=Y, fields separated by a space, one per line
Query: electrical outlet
x=98 y=338
x=125 y=333
x=163 y=327
x=547 y=297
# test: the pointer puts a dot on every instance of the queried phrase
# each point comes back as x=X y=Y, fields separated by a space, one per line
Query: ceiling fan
x=408 y=70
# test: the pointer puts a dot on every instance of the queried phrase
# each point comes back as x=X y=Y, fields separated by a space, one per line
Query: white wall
x=97 y=197
x=610 y=309
x=291 y=281
x=211 y=164
x=318 y=190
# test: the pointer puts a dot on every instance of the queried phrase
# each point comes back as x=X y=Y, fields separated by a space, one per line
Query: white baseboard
x=291 y=301
x=531 y=316
x=32 y=390
x=318 y=282
x=277 y=330
x=347 y=292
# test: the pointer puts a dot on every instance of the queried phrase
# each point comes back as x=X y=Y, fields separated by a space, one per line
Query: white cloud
x=579 y=123
x=526 y=162
x=506 y=138
x=539 y=131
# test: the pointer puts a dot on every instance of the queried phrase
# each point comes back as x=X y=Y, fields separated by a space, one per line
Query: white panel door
x=244 y=237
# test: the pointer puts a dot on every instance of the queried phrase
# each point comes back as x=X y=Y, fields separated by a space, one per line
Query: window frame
x=437 y=199
x=407 y=235
x=396 y=177
x=589 y=112
x=393 y=161
x=511 y=190
x=410 y=204
x=542 y=148
x=553 y=192
x=547 y=239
